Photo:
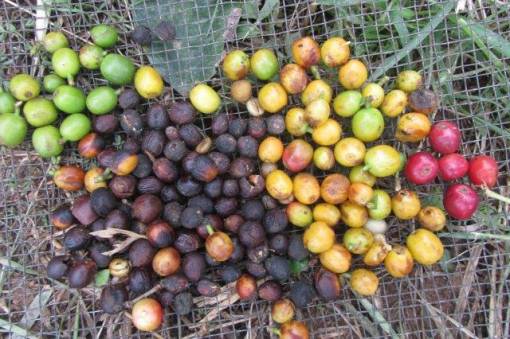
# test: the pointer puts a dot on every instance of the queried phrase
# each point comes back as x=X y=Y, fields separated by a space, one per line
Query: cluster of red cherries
x=460 y=200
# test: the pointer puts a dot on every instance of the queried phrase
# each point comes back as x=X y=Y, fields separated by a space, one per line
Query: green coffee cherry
x=55 y=40
x=69 y=99
x=51 y=82
x=101 y=100
x=24 y=87
x=40 y=112
x=91 y=56
x=75 y=127
x=13 y=129
x=47 y=141
x=117 y=69
x=104 y=36
x=7 y=103
x=65 y=63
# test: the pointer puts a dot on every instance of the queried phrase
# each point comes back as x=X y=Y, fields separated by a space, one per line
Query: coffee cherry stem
x=107 y=175
x=209 y=229
x=70 y=80
x=491 y=194
x=276 y=331
x=315 y=72
x=383 y=81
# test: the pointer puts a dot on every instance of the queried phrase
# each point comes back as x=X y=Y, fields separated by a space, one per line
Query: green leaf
x=423 y=33
x=267 y=9
x=247 y=30
x=251 y=10
x=198 y=47
x=102 y=277
x=298 y=266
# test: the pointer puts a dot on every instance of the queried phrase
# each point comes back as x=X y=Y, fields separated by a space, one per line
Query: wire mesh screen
x=463 y=51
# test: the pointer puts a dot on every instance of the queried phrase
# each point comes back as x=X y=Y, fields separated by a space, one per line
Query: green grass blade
x=494 y=40
x=12 y=328
x=475 y=236
x=413 y=43
x=379 y=318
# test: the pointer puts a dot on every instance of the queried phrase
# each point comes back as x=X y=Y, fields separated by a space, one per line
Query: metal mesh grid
x=464 y=296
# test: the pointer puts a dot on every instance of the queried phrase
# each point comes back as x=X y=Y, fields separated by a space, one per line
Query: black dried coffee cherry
x=131 y=145
x=169 y=193
x=237 y=127
x=128 y=98
x=105 y=124
x=229 y=273
x=256 y=269
x=258 y=253
x=153 y=142
x=270 y=290
x=204 y=168
x=226 y=206
x=183 y=302
x=221 y=160
x=96 y=251
x=233 y=222
x=230 y=188
x=117 y=218
x=190 y=134
x=157 y=117
x=188 y=187
x=253 y=210
x=165 y=170
x=172 y=213
x=144 y=167
x=141 y=253
x=242 y=167
x=175 y=150
x=131 y=122
x=123 y=186
x=103 y=201
x=238 y=253
x=297 y=250
x=301 y=294
x=279 y=243
x=187 y=242
x=182 y=112
x=278 y=267
x=81 y=273
x=189 y=161
x=248 y=146
x=191 y=217
x=140 y=280
x=193 y=266
x=275 y=124
x=225 y=143
x=57 y=267
x=141 y=35
x=106 y=156
x=219 y=124
x=275 y=220
x=175 y=283
x=150 y=185
x=202 y=202
x=256 y=127
x=113 y=298
x=252 y=186
x=213 y=189
x=77 y=238
x=251 y=234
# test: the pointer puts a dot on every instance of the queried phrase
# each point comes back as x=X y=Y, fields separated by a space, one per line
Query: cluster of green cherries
x=41 y=110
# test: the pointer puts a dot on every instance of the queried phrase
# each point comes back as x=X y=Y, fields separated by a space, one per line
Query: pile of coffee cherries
x=171 y=212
